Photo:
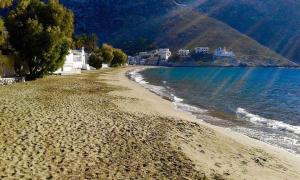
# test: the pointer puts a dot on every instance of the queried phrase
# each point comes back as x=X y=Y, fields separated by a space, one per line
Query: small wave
x=256 y=119
x=159 y=90
x=137 y=77
x=291 y=144
x=176 y=99
x=189 y=108
x=165 y=92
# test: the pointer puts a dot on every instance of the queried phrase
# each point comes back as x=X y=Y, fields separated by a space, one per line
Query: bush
x=107 y=53
x=119 y=58
x=95 y=61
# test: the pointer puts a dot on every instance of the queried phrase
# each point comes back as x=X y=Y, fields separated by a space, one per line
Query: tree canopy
x=107 y=53
x=41 y=33
x=119 y=58
x=1 y=32
x=89 y=42
x=5 y=3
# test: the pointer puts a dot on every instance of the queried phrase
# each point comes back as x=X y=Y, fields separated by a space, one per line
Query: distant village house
x=202 y=50
x=151 y=57
x=222 y=52
x=164 y=54
x=183 y=52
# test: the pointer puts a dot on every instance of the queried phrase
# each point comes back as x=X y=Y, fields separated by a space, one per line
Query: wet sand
x=100 y=125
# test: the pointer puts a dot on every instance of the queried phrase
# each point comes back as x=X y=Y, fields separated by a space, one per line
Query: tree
x=119 y=59
x=1 y=32
x=5 y=3
x=89 y=42
x=96 y=59
x=41 y=33
x=107 y=53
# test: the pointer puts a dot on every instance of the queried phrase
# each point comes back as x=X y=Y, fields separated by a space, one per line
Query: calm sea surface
x=263 y=103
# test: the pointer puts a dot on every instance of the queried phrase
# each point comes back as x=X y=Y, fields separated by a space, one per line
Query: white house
x=164 y=54
x=201 y=50
x=222 y=52
x=183 y=52
x=75 y=61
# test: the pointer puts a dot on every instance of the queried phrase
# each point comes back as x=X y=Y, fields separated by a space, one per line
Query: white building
x=222 y=52
x=201 y=50
x=142 y=54
x=164 y=54
x=75 y=61
x=183 y=52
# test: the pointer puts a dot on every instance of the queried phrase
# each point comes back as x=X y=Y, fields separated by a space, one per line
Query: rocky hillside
x=169 y=23
x=273 y=23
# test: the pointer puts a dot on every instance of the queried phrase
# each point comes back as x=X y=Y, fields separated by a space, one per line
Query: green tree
x=5 y=3
x=119 y=59
x=1 y=32
x=107 y=53
x=41 y=33
x=89 y=42
x=95 y=61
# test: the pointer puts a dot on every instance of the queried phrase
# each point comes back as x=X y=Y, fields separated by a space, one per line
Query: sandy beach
x=101 y=125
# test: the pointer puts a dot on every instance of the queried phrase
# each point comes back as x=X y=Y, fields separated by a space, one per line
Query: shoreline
x=139 y=69
x=101 y=125
x=169 y=108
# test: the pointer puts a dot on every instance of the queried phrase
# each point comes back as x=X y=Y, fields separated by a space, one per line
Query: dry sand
x=100 y=125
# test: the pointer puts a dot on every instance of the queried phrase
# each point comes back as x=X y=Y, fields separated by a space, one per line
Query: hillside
x=179 y=31
x=273 y=23
x=168 y=23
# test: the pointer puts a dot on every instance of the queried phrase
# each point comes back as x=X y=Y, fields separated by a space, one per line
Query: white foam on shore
x=137 y=77
x=165 y=92
x=291 y=144
x=270 y=123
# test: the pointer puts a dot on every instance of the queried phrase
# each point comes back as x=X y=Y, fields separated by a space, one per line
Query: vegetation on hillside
x=179 y=31
x=138 y=45
x=273 y=23
x=165 y=24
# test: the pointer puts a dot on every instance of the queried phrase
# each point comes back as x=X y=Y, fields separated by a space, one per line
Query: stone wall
x=9 y=81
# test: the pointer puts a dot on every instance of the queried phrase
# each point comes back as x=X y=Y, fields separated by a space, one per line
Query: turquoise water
x=263 y=103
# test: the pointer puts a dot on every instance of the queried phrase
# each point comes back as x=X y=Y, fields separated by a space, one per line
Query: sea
x=262 y=103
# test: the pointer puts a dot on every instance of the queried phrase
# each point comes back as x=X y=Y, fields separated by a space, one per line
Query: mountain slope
x=169 y=23
x=185 y=28
x=274 y=23
x=179 y=31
